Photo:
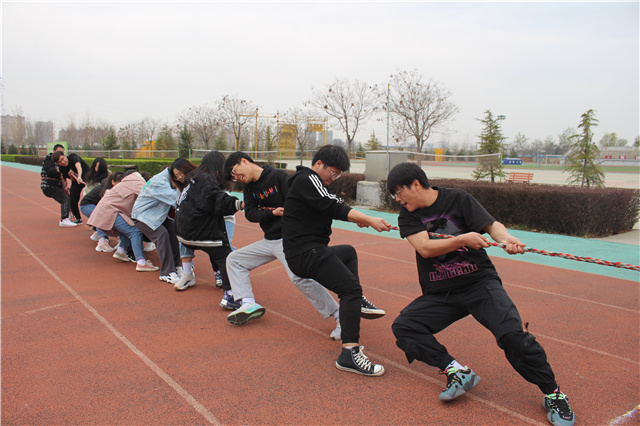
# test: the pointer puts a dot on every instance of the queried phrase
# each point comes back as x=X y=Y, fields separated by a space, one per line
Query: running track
x=88 y=340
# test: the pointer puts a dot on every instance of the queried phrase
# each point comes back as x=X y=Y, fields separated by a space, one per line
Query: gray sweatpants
x=242 y=261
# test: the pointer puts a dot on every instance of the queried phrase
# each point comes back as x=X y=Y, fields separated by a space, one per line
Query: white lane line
x=154 y=367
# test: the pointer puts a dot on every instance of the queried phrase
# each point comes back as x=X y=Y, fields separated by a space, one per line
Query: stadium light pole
x=500 y=118
x=388 y=161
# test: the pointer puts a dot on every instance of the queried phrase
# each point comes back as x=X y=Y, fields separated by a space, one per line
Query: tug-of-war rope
x=550 y=253
x=539 y=251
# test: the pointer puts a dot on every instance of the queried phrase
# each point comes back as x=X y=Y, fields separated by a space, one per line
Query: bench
x=519 y=177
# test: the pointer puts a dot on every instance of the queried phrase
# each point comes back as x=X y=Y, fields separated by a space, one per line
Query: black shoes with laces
x=355 y=361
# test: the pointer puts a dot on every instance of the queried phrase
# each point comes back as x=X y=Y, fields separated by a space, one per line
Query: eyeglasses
x=233 y=173
x=394 y=196
x=334 y=175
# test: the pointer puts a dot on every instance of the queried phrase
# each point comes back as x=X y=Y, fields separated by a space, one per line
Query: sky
x=541 y=64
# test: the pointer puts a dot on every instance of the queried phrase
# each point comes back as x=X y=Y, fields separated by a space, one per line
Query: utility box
x=376 y=164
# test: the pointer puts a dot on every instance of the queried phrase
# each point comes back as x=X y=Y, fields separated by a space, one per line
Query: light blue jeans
x=87 y=210
x=130 y=236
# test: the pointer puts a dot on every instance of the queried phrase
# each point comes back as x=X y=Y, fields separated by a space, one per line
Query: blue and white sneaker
x=458 y=383
x=228 y=302
x=218 y=279
x=246 y=313
x=559 y=412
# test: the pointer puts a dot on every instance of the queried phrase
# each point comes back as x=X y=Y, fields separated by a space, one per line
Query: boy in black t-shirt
x=75 y=168
x=457 y=279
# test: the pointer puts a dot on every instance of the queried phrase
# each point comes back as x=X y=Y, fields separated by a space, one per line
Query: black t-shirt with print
x=454 y=212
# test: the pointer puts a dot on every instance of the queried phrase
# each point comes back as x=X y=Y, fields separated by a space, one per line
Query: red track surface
x=88 y=340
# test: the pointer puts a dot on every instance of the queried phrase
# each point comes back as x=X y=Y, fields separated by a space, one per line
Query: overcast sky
x=541 y=65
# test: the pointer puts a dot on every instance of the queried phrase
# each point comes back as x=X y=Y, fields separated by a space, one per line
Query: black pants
x=336 y=268
x=492 y=307
x=57 y=193
x=166 y=244
x=218 y=259
x=74 y=198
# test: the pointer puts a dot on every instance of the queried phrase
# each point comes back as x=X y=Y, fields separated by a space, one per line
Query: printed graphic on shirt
x=449 y=265
x=266 y=193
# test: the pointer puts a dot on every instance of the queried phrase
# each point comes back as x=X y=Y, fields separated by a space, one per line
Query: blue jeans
x=130 y=236
x=87 y=210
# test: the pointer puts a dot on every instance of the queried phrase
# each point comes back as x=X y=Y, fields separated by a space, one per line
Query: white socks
x=456 y=365
x=188 y=267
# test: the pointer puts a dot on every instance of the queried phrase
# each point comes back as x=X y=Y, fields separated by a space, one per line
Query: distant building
x=14 y=130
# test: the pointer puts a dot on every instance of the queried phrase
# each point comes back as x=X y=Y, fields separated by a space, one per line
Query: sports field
x=88 y=340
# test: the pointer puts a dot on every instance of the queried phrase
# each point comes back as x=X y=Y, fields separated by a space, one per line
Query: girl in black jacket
x=200 y=221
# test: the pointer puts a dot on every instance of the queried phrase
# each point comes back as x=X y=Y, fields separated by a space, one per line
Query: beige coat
x=117 y=200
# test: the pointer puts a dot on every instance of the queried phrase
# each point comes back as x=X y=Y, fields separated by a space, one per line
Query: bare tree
x=235 y=114
x=350 y=104
x=148 y=128
x=419 y=108
x=202 y=121
x=301 y=123
x=128 y=136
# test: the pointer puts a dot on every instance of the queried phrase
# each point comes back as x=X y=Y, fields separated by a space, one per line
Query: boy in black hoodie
x=306 y=227
x=264 y=194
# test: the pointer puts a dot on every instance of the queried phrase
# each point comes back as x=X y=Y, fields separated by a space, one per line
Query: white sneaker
x=95 y=237
x=150 y=247
x=66 y=223
x=105 y=247
x=180 y=271
x=147 y=267
x=337 y=333
x=185 y=282
x=171 y=278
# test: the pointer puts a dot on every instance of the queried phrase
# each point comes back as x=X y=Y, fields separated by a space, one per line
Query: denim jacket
x=155 y=200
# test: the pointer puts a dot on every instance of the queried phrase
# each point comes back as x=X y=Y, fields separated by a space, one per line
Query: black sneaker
x=355 y=361
x=559 y=412
x=369 y=311
x=77 y=221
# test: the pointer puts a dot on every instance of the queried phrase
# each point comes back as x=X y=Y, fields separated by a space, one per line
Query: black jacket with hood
x=264 y=195
x=200 y=213
x=309 y=211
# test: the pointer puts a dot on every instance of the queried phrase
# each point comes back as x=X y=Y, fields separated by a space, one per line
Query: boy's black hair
x=58 y=145
x=333 y=156
x=56 y=156
x=232 y=160
x=404 y=174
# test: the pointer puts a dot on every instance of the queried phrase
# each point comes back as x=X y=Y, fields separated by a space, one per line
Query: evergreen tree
x=219 y=144
x=581 y=161
x=269 y=144
x=165 y=141
x=491 y=142
x=12 y=150
x=110 y=141
x=125 y=145
x=186 y=142
x=372 y=144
